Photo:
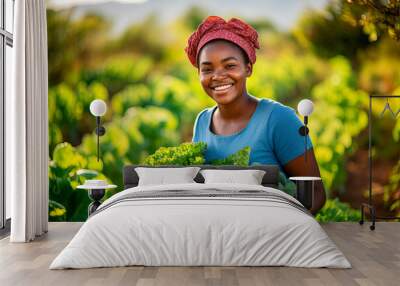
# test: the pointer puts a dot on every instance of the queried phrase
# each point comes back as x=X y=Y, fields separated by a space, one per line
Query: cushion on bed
x=162 y=176
x=270 y=179
x=248 y=177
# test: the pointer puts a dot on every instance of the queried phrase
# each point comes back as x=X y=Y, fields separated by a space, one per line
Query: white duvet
x=185 y=231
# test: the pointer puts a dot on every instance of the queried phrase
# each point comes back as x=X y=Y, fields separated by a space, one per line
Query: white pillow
x=249 y=177
x=165 y=176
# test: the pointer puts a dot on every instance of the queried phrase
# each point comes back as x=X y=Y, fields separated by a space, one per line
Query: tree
x=333 y=31
x=193 y=17
x=379 y=16
x=73 y=43
x=146 y=37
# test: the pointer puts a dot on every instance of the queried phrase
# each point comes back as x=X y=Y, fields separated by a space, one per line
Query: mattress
x=201 y=225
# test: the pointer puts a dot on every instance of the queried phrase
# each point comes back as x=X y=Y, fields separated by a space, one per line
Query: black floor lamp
x=370 y=205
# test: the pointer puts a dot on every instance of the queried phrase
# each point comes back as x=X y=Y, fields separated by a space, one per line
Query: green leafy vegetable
x=183 y=155
x=240 y=158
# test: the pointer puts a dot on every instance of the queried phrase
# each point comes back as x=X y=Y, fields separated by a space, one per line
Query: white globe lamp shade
x=98 y=107
x=305 y=107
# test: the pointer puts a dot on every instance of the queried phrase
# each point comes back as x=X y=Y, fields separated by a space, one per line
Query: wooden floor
x=375 y=256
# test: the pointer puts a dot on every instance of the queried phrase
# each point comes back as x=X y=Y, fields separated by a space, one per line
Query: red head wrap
x=214 y=27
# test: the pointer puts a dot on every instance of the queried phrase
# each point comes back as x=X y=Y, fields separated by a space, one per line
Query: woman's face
x=223 y=71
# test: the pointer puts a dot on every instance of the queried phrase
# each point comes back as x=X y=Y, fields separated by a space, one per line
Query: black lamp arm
x=100 y=131
x=303 y=130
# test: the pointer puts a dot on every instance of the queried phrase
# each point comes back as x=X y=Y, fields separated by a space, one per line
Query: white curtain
x=26 y=124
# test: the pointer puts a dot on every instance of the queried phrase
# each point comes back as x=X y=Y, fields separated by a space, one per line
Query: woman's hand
x=299 y=167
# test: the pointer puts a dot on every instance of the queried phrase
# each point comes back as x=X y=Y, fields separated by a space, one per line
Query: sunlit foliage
x=337 y=120
x=153 y=95
x=334 y=210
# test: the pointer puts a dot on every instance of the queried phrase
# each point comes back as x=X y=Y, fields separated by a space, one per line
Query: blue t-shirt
x=272 y=133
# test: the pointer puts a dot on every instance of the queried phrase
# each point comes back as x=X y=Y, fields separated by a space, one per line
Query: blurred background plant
x=335 y=56
x=334 y=210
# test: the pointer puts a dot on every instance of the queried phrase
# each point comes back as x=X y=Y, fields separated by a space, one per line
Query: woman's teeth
x=222 y=87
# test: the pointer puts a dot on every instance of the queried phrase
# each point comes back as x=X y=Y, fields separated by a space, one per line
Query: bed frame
x=270 y=179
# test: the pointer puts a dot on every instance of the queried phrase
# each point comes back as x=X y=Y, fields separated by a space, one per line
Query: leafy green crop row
x=68 y=165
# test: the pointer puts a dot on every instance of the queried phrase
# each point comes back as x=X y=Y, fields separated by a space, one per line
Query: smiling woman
x=224 y=54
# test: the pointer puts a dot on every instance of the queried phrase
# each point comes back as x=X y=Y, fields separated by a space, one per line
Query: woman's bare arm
x=299 y=167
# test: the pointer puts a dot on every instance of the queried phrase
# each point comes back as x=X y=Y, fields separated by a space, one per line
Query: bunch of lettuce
x=183 y=155
x=240 y=158
x=193 y=154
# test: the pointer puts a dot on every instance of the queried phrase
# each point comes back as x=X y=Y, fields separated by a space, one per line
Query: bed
x=198 y=224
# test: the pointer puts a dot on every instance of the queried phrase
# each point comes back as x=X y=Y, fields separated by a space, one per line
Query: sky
x=68 y=3
x=283 y=13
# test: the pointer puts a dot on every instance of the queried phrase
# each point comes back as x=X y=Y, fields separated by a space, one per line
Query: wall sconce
x=98 y=108
x=305 y=108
